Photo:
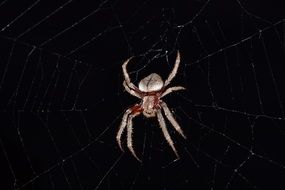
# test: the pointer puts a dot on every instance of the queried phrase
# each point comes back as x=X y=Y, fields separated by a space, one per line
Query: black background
x=61 y=95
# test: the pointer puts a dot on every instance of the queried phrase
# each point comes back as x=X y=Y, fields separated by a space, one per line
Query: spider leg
x=172 y=89
x=171 y=118
x=174 y=70
x=130 y=91
x=165 y=132
x=122 y=127
x=129 y=136
x=126 y=75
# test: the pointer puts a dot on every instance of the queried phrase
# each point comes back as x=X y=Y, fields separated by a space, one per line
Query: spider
x=150 y=90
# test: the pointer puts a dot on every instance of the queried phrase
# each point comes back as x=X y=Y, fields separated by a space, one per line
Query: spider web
x=61 y=95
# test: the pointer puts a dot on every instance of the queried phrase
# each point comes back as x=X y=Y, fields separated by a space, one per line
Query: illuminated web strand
x=19 y=16
x=44 y=19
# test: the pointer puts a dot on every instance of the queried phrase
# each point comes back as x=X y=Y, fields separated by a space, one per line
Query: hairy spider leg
x=171 y=118
x=174 y=70
x=126 y=75
x=130 y=135
x=131 y=91
x=172 y=89
x=128 y=123
x=122 y=127
x=165 y=132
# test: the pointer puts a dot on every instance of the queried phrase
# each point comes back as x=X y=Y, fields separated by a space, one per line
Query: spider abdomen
x=152 y=82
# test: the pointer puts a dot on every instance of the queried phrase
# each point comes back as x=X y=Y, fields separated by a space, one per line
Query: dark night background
x=62 y=100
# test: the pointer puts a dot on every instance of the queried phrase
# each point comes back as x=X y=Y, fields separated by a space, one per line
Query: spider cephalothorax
x=151 y=89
